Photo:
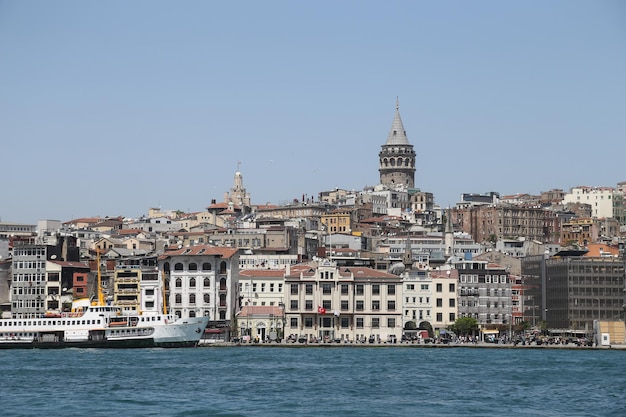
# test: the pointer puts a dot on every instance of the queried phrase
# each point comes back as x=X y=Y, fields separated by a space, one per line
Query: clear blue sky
x=112 y=107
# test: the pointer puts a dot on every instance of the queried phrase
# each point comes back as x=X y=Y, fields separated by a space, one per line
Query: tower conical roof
x=397 y=134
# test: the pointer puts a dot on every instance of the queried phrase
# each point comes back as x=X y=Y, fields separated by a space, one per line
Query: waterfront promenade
x=409 y=345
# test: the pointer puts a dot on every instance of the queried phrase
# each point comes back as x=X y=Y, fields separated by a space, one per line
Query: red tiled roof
x=84 y=220
x=260 y=311
x=254 y=273
x=358 y=271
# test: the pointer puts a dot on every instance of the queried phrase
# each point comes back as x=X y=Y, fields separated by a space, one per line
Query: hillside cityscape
x=381 y=265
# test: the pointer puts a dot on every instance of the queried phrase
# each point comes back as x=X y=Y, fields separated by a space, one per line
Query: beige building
x=260 y=324
x=328 y=303
x=445 y=306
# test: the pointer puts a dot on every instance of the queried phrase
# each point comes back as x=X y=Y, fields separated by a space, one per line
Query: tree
x=465 y=325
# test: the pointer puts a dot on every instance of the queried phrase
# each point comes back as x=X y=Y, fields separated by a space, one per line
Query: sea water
x=337 y=381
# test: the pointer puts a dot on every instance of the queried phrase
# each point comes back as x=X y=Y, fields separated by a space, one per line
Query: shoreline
x=407 y=346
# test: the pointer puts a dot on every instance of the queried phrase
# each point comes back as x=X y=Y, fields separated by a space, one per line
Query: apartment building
x=444 y=296
x=484 y=293
x=202 y=280
x=599 y=198
x=417 y=296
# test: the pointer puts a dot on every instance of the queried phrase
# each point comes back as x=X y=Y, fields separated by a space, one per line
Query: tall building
x=203 y=281
x=397 y=157
x=570 y=291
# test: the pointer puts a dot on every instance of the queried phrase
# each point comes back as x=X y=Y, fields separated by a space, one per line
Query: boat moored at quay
x=101 y=326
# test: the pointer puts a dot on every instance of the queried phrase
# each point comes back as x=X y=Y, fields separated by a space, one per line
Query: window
x=439 y=317
x=192 y=283
x=359 y=289
x=207 y=282
x=451 y=287
x=452 y=317
x=391 y=322
x=206 y=266
x=451 y=302
x=410 y=287
x=192 y=298
x=359 y=305
x=375 y=323
x=326 y=304
x=439 y=302
x=178 y=266
x=391 y=304
x=207 y=298
x=391 y=290
x=178 y=298
x=359 y=322
x=439 y=287
x=308 y=322
x=308 y=289
x=179 y=283
x=193 y=266
x=344 y=305
x=294 y=304
x=424 y=287
x=326 y=289
x=294 y=289
x=308 y=305
x=345 y=322
x=344 y=289
x=375 y=304
x=293 y=322
x=375 y=289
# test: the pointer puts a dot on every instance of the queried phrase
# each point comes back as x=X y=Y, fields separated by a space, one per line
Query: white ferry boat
x=102 y=327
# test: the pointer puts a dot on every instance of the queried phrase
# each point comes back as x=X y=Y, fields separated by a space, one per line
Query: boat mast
x=100 y=293
x=164 y=296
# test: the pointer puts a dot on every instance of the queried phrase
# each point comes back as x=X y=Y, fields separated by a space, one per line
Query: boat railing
x=73 y=314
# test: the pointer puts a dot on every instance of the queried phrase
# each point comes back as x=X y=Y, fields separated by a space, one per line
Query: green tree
x=465 y=325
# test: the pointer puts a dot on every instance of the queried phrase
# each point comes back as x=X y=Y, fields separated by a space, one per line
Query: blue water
x=338 y=381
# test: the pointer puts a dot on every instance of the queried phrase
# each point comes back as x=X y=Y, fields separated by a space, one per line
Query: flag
x=321 y=310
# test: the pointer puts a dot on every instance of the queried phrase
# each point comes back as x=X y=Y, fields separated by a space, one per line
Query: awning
x=213 y=330
x=491 y=331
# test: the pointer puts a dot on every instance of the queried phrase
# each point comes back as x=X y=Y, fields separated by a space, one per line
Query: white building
x=417 y=295
x=599 y=198
x=203 y=281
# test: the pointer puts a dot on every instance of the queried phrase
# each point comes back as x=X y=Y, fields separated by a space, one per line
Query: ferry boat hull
x=101 y=327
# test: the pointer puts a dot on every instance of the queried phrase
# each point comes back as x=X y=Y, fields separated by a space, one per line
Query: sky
x=113 y=107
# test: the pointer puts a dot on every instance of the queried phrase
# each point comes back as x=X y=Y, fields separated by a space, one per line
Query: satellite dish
x=53 y=257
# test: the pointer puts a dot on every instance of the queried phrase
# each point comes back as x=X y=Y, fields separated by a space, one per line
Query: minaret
x=448 y=239
x=397 y=157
